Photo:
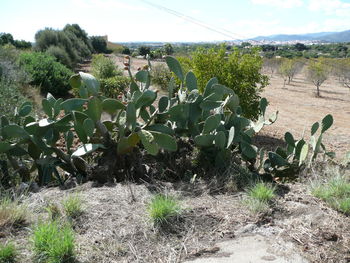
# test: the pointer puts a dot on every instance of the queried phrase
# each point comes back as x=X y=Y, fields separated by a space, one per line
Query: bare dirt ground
x=211 y=228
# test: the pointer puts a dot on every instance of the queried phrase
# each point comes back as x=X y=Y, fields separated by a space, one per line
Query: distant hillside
x=343 y=36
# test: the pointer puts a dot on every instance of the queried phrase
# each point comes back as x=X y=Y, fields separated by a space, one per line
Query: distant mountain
x=343 y=36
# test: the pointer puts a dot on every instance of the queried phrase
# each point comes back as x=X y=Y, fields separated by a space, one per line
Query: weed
x=8 y=253
x=53 y=210
x=12 y=213
x=256 y=206
x=72 y=206
x=335 y=192
x=262 y=192
x=53 y=243
x=163 y=207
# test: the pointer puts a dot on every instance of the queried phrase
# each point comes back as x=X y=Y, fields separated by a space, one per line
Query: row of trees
x=7 y=39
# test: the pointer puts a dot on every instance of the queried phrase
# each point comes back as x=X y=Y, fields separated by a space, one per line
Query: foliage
x=8 y=253
x=168 y=49
x=341 y=69
x=143 y=51
x=72 y=206
x=60 y=54
x=289 y=68
x=161 y=76
x=103 y=67
x=335 y=191
x=286 y=163
x=99 y=44
x=7 y=39
x=46 y=73
x=126 y=51
x=272 y=64
x=53 y=243
x=317 y=73
x=237 y=71
x=12 y=213
x=162 y=208
x=114 y=87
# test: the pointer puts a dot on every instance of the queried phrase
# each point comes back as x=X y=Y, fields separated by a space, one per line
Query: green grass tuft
x=262 y=192
x=53 y=243
x=8 y=253
x=72 y=206
x=335 y=192
x=12 y=213
x=162 y=207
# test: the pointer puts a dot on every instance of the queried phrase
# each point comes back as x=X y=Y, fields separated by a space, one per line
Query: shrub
x=162 y=208
x=60 y=54
x=53 y=243
x=72 y=206
x=103 y=67
x=262 y=192
x=237 y=71
x=8 y=253
x=46 y=73
x=99 y=44
x=113 y=87
x=161 y=76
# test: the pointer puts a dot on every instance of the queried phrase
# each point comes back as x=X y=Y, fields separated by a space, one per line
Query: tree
x=6 y=38
x=300 y=47
x=144 y=51
x=317 y=73
x=99 y=44
x=289 y=68
x=126 y=51
x=272 y=64
x=168 y=49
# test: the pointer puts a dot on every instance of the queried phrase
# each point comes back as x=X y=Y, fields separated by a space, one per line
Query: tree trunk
x=318 y=91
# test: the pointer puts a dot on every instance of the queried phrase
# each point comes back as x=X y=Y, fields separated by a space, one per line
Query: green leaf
x=142 y=76
x=204 y=140
x=4 y=147
x=73 y=104
x=288 y=137
x=163 y=104
x=89 y=127
x=161 y=128
x=146 y=99
x=165 y=141
x=14 y=131
x=131 y=116
x=94 y=109
x=171 y=87
x=248 y=150
x=112 y=105
x=25 y=109
x=231 y=136
x=303 y=154
x=75 y=81
x=314 y=128
x=147 y=140
x=86 y=149
x=327 y=122
x=69 y=136
x=179 y=112
x=211 y=123
x=191 y=81
x=210 y=105
x=298 y=148
x=276 y=160
x=263 y=105
x=208 y=87
x=175 y=67
x=220 y=140
x=91 y=83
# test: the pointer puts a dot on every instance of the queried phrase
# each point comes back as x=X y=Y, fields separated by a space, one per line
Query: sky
x=138 y=20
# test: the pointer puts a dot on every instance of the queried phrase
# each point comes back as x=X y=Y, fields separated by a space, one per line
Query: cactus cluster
x=287 y=162
x=212 y=120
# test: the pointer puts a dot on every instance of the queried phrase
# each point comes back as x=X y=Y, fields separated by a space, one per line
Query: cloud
x=330 y=7
x=279 y=3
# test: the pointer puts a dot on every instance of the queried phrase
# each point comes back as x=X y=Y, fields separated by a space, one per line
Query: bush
x=53 y=243
x=161 y=76
x=46 y=73
x=237 y=71
x=103 y=67
x=60 y=54
x=163 y=208
x=99 y=44
x=112 y=87
x=8 y=253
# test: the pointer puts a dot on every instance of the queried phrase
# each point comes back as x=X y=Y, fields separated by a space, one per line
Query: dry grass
x=12 y=213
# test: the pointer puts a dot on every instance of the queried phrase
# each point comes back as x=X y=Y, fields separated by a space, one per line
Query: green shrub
x=103 y=67
x=8 y=253
x=162 y=208
x=237 y=71
x=72 y=206
x=99 y=44
x=46 y=73
x=262 y=192
x=112 y=87
x=60 y=54
x=53 y=243
x=161 y=76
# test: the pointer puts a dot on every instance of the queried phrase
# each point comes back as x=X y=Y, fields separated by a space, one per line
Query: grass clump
x=162 y=208
x=335 y=192
x=8 y=253
x=72 y=206
x=12 y=213
x=53 y=243
x=259 y=197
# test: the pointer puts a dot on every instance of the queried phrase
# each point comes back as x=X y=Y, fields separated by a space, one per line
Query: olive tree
x=318 y=72
x=289 y=68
